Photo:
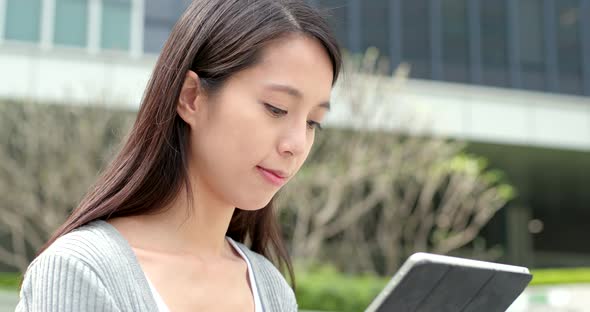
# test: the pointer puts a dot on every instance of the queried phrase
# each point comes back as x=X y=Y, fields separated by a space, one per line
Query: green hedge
x=326 y=289
x=9 y=280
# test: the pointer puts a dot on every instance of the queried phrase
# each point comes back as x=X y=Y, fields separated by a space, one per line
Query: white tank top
x=162 y=307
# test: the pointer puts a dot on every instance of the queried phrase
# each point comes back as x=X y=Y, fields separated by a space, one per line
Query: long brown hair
x=215 y=39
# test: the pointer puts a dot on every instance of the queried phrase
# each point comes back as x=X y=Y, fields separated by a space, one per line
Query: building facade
x=541 y=45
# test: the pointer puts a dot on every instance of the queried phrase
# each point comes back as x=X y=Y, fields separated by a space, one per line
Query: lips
x=278 y=173
x=276 y=177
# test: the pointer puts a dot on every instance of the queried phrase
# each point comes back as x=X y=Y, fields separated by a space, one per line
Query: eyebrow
x=294 y=93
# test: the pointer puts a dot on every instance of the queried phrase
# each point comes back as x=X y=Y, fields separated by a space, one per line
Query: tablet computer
x=434 y=283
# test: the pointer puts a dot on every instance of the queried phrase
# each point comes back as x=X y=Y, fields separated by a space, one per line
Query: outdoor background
x=460 y=127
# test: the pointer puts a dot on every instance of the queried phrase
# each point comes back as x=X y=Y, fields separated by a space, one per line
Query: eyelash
x=277 y=112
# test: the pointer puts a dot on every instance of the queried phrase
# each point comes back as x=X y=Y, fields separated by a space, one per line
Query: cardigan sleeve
x=63 y=283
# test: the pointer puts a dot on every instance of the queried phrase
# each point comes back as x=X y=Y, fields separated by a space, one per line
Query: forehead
x=297 y=61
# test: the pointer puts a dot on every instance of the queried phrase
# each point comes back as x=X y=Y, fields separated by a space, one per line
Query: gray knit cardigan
x=93 y=268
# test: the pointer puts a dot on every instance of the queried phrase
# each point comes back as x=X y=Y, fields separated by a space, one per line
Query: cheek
x=227 y=149
x=231 y=127
x=247 y=134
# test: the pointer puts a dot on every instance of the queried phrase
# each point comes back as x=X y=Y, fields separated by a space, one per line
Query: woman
x=228 y=117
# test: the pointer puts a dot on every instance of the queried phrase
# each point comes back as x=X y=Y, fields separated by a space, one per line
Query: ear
x=190 y=96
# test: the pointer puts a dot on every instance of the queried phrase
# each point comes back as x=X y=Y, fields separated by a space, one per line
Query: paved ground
x=8 y=300
x=570 y=298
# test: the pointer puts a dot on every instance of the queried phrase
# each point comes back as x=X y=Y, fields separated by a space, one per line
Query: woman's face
x=251 y=137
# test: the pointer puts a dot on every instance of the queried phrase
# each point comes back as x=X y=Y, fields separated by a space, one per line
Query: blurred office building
x=511 y=77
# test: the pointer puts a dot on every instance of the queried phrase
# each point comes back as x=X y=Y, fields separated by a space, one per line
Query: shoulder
x=91 y=248
x=270 y=282
x=72 y=268
x=92 y=244
x=91 y=263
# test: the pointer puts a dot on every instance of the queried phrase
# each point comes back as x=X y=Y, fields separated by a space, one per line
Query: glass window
x=338 y=19
x=168 y=10
x=71 y=22
x=115 y=26
x=23 y=20
x=416 y=37
x=160 y=17
x=156 y=33
x=532 y=44
x=455 y=40
x=313 y=3
x=494 y=43
x=560 y=200
x=375 y=28
x=569 y=46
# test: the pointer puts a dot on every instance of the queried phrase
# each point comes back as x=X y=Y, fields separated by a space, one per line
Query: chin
x=253 y=204
x=250 y=208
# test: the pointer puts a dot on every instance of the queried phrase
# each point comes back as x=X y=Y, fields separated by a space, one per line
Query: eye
x=314 y=125
x=274 y=110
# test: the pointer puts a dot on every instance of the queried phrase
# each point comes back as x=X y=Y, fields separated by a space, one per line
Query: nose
x=293 y=141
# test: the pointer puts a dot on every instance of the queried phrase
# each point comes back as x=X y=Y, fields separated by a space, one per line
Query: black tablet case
x=436 y=287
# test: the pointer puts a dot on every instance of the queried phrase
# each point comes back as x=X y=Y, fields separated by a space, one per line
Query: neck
x=196 y=228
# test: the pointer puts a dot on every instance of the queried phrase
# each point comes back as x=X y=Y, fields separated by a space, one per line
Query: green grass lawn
x=560 y=276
